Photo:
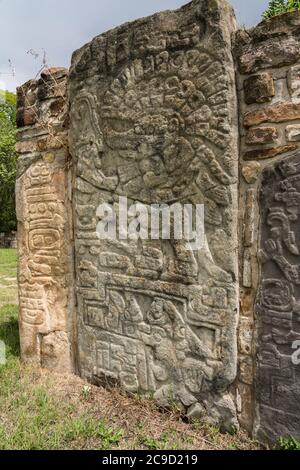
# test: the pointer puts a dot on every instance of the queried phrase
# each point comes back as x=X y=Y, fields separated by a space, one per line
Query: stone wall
x=150 y=111
x=268 y=79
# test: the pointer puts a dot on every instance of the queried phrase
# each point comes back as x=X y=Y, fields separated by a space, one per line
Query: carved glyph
x=43 y=285
x=278 y=303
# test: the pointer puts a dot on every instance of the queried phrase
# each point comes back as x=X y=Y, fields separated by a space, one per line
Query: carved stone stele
x=153 y=117
x=278 y=302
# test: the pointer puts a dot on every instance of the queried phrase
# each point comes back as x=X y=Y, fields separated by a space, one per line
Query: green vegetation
x=30 y=417
x=289 y=443
x=7 y=161
x=8 y=277
x=277 y=7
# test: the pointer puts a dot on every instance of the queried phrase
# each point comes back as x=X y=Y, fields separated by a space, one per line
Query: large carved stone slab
x=153 y=118
x=278 y=303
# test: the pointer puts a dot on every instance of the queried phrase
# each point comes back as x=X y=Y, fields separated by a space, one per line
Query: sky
x=37 y=31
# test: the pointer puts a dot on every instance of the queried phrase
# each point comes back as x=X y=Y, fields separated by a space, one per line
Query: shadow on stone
x=9 y=334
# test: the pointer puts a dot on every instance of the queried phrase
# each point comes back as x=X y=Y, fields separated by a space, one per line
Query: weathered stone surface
x=294 y=83
x=246 y=370
x=246 y=302
x=275 y=52
x=54 y=73
x=55 y=352
x=261 y=135
x=250 y=171
x=246 y=417
x=215 y=410
x=272 y=43
x=152 y=109
x=246 y=336
x=261 y=154
x=247 y=268
x=259 y=88
x=43 y=212
x=277 y=307
x=153 y=117
x=52 y=84
x=293 y=133
x=268 y=58
x=249 y=229
x=196 y=412
x=26 y=117
x=280 y=112
x=27 y=94
x=44 y=143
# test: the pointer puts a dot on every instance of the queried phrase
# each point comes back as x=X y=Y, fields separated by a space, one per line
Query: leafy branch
x=277 y=7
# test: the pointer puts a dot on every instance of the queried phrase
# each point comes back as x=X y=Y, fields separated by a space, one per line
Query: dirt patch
x=145 y=426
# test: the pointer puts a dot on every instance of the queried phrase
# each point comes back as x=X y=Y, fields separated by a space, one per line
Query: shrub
x=289 y=443
x=277 y=7
x=7 y=161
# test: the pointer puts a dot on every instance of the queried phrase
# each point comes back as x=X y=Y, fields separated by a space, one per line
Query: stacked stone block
x=268 y=80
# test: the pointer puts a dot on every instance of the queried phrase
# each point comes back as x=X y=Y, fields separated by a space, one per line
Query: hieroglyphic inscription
x=278 y=304
x=43 y=285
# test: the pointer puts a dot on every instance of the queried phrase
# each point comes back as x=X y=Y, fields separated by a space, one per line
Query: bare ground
x=144 y=426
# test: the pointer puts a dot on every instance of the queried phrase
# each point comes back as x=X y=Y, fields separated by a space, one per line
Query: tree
x=277 y=7
x=293 y=5
x=8 y=159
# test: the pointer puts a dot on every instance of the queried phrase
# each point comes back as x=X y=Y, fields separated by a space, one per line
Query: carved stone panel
x=278 y=303
x=45 y=270
x=153 y=119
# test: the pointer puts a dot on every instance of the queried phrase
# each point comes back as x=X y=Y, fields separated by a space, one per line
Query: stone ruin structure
x=178 y=107
x=8 y=240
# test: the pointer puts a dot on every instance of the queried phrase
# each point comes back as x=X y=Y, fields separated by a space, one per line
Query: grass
x=8 y=276
x=31 y=416
x=289 y=443
x=8 y=262
x=43 y=410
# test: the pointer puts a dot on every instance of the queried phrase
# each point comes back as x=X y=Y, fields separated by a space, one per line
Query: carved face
x=156 y=314
x=276 y=295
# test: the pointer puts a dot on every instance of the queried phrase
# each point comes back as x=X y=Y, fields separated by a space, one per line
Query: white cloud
x=61 y=26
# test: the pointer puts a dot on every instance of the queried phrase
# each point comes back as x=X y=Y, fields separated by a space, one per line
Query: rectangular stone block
x=261 y=135
x=259 y=88
x=294 y=83
x=271 y=44
x=293 y=133
x=152 y=106
x=281 y=112
x=262 y=154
